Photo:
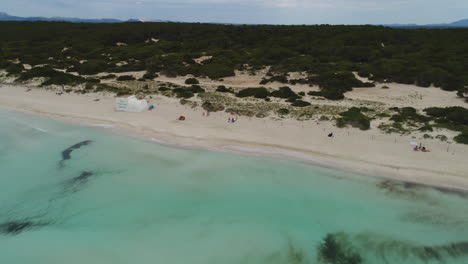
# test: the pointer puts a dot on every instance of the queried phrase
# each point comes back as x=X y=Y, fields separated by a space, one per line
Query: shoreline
x=176 y=136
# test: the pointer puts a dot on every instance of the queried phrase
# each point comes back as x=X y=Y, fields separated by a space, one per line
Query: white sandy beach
x=370 y=152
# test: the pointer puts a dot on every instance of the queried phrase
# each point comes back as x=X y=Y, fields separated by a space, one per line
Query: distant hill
x=457 y=24
x=6 y=17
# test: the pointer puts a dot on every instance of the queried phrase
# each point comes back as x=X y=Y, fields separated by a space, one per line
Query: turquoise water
x=124 y=200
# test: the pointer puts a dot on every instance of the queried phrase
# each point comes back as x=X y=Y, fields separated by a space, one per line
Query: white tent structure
x=130 y=104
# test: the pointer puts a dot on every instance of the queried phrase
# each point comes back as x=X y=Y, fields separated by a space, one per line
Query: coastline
x=351 y=150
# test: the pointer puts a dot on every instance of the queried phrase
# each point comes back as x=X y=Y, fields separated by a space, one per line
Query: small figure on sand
x=330 y=135
x=232 y=120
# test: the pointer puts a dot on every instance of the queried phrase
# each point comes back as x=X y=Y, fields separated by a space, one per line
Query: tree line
x=328 y=54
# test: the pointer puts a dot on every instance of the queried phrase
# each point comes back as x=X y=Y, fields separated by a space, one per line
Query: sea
x=79 y=193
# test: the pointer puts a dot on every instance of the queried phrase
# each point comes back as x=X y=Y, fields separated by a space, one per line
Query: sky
x=250 y=11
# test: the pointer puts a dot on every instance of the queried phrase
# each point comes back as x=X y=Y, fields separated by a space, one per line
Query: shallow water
x=124 y=200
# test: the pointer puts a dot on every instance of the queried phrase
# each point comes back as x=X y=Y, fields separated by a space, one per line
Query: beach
x=369 y=152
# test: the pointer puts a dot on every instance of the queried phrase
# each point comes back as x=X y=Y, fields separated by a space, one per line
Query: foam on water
x=123 y=200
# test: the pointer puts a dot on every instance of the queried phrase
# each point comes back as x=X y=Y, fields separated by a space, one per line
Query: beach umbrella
x=413 y=143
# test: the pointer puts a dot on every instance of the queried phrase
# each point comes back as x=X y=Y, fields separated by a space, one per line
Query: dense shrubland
x=407 y=119
x=328 y=54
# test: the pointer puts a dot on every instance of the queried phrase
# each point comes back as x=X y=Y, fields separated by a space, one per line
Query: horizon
x=279 y=12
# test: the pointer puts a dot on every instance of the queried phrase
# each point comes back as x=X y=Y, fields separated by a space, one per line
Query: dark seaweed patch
x=66 y=154
x=391 y=249
x=76 y=183
x=405 y=190
x=411 y=189
x=295 y=255
x=84 y=176
x=336 y=249
x=16 y=227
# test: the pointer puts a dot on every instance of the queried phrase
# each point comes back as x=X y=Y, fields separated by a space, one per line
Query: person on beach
x=330 y=135
x=229 y=120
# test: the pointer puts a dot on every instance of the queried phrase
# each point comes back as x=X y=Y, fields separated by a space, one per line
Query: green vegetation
x=260 y=92
x=454 y=118
x=327 y=54
x=223 y=89
x=300 y=103
x=126 y=78
x=333 y=85
x=52 y=76
x=283 y=111
x=14 y=69
x=108 y=76
x=355 y=118
x=277 y=78
x=462 y=138
x=150 y=76
x=191 y=81
x=212 y=107
x=408 y=114
x=284 y=92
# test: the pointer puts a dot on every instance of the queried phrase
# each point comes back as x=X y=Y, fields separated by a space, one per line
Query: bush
x=300 y=103
x=150 y=75
x=14 y=69
x=109 y=76
x=216 y=71
x=462 y=138
x=255 y=92
x=191 y=81
x=212 y=107
x=163 y=88
x=397 y=118
x=355 y=118
x=223 y=89
x=184 y=94
x=196 y=89
x=442 y=137
x=426 y=128
x=126 y=78
x=455 y=114
x=283 y=111
x=324 y=118
x=427 y=136
x=93 y=80
x=276 y=78
x=53 y=76
x=284 y=92
x=408 y=113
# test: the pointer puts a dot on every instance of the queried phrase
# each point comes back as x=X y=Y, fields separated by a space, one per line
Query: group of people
x=420 y=148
